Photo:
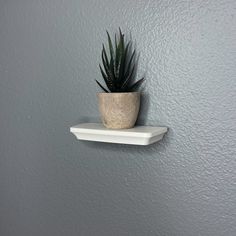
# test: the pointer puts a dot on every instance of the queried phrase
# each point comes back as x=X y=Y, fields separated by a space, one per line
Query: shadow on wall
x=144 y=107
x=160 y=147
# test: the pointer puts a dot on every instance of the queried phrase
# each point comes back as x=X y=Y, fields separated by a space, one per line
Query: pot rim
x=110 y=93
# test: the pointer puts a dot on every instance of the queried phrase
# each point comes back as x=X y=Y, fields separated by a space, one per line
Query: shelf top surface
x=137 y=131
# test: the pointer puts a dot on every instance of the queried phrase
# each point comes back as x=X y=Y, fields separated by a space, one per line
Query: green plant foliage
x=118 y=69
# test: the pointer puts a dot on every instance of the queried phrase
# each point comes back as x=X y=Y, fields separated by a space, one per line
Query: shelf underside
x=139 y=135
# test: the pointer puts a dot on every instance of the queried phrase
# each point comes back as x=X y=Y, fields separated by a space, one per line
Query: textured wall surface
x=52 y=184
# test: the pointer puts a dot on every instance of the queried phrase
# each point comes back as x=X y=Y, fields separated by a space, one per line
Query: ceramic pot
x=119 y=110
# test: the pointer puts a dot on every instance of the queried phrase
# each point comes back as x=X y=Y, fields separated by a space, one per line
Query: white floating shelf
x=139 y=135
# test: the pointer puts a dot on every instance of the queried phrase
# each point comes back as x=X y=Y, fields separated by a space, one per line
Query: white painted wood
x=139 y=135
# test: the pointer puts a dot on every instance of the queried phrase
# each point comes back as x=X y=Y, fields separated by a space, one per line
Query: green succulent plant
x=118 y=70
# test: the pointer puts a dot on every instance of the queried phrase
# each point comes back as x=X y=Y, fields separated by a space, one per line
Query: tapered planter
x=119 y=110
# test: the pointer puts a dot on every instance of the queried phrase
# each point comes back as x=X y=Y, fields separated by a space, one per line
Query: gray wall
x=52 y=184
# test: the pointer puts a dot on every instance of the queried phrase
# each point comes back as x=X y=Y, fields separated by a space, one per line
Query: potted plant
x=119 y=103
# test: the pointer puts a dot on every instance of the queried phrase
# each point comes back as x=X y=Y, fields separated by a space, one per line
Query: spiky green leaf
x=115 y=42
x=118 y=69
x=128 y=79
x=110 y=45
x=136 y=85
x=122 y=42
x=108 y=81
x=107 y=67
x=129 y=64
x=105 y=55
x=105 y=90
x=123 y=64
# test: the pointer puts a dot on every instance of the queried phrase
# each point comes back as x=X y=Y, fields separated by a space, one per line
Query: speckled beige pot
x=119 y=110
